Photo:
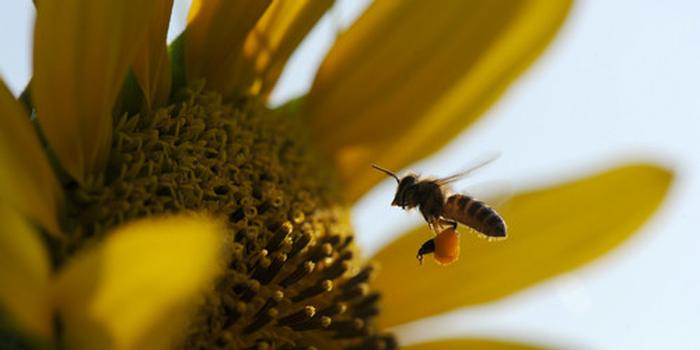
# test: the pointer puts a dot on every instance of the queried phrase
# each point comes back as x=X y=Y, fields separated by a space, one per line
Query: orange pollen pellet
x=447 y=247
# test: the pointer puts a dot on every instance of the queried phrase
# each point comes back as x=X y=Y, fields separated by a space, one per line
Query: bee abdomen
x=474 y=214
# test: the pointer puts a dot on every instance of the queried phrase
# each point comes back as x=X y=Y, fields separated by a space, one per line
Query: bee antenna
x=386 y=172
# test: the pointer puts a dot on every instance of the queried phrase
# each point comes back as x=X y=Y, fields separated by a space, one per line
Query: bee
x=440 y=208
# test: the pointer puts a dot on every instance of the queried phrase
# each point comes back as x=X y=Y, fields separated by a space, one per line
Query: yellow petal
x=477 y=344
x=24 y=274
x=82 y=49
x=136 y=290
x=27 y=182
x=151 y=65
x=215 y=35
x=269 y=45
x=409 y=76
x=550 y=231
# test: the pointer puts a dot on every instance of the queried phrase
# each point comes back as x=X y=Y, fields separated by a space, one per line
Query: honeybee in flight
x=441 y=209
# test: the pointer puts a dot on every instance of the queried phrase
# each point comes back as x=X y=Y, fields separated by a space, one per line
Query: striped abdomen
x=474 y=214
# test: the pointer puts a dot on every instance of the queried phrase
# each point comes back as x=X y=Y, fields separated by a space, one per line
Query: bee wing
x=462 y=174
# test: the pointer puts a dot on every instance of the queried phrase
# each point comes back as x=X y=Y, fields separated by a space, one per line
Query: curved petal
x=551 y=231
x=24 y=274
x=27 y=182
x=462 y=344
x=135 y=290
x=268 y=46
x=151 y=65
x=408 y=76
x=211 y=56
x=82 y=49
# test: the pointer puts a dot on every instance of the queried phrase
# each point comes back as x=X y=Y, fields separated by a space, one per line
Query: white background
x=621 y=81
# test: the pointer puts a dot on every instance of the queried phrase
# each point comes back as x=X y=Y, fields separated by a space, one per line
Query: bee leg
x=450 y=223
x=433 y=225
x=454 y=224
x=427 y=248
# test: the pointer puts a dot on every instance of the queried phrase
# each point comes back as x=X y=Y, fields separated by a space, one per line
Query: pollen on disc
x=446 y=247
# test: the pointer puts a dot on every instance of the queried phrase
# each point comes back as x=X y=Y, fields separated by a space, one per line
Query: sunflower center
x=292 y=280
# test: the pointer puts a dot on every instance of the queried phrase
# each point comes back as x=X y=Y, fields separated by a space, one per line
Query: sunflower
x=151 y=199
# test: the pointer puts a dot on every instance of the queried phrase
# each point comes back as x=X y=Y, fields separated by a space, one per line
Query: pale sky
x=620 y=82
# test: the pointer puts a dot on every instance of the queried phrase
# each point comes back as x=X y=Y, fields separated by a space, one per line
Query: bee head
x=404 y=193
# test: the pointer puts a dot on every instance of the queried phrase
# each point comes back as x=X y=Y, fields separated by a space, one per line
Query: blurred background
x=619 y=83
